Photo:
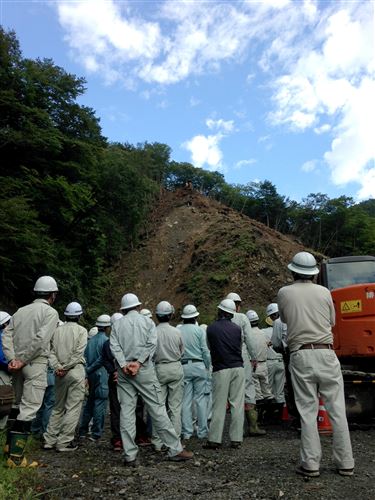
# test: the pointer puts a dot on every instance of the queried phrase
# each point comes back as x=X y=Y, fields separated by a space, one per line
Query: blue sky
x=275 y=89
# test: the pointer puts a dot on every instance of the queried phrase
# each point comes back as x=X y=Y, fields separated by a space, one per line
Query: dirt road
x=263 y=469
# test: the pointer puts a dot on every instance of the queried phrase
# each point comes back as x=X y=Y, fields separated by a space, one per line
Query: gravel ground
x=263 y=468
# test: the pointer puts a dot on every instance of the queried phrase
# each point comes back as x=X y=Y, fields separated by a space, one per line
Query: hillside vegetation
x=75 y=206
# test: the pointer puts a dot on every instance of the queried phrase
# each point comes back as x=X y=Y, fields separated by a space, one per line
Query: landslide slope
x=196 y=250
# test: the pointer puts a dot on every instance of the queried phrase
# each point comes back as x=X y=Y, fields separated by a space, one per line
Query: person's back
x=195 y=345
x=64 y=344
x=169 y=345
x=32 y=327
x=225 y=343
x=309 y=313
x=308 y=310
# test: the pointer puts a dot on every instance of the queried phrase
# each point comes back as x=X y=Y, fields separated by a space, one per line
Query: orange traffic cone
x=324 y=424
x=285 y=414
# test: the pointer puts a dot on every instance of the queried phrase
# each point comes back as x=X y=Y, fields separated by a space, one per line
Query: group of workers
x=187 y=378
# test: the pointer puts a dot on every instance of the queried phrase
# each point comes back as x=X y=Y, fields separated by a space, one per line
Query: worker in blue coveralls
x=96 y=403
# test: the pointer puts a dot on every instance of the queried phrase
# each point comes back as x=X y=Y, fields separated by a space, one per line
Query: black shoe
x=345 y=472
x=69 y=447
x=131 y=463
x=235 y=444
x=307 y=472
x=211 y=446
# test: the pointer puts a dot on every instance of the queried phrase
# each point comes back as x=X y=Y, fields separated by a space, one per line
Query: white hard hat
x=60 y=323
x=92 y=332
x=4 y=317
x=189 y=311
x=116 y=317
x=304 y=263
x=129 y=300
x=73 y=309
x=252 y=315
x=272 y=309
x=45 y=284
x=164 y=308
x=228 y=306
x=234 y=296
x=103 y=320
x=146 y=312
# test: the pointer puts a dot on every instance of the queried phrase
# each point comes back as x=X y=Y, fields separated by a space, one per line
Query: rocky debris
x=263 y=468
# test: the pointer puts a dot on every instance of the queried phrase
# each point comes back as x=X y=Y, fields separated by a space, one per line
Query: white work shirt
x=133 y=338
x=28 y=336
x=68 y=345
x=261 y=344
x=243 y=322
x=169 y=346
x=279 y=334
x=308 y=311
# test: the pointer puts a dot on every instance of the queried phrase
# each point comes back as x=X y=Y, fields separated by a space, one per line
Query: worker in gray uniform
x=276 y=372
x=26 y=345
x=263 y=389
x=250 y=363
x=167 y=359
x=308 y=311
x=67 y=360
x=133 y=344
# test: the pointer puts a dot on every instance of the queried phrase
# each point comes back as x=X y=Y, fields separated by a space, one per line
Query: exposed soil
x=197 y=250
x=263 y=468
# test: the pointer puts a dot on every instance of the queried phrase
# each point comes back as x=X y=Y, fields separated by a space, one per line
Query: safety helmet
x=103 y=320
x=73 y=310
x=4 y=318
x=146 y=312
x=234 y=296
x=304 y=263
x=92 y=332
x=252 y=315
x=189 y=311
x=60 y=323
x=228 y=306
x=129 y=300
x=45 y=284
x=272 y=309
x=116 y=317
x=164 y=308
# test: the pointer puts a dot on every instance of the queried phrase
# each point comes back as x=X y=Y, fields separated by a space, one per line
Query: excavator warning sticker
x=351 y=306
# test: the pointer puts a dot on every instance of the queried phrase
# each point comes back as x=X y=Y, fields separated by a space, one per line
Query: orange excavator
x=351 y=281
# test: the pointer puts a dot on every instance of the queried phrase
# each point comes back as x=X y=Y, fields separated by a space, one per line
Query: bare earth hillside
x=196 y=250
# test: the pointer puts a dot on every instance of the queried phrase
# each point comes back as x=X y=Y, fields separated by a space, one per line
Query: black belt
x=186 y=361
x=316 y=346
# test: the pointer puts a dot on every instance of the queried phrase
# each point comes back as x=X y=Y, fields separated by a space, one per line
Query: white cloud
x=309 y=166
x=205 y=150
x=334 y=81
x=222 y=125
x=318 y=57
x=245 y=163
x=194 y=102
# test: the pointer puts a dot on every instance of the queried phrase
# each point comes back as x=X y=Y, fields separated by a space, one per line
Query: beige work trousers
x=250 y=397
x=69 y=396
x=171 y=379
x=146 y=385
x=227 y=385
x=262 y=386
x=276 y=377
x=313 y=371
x=29 y=385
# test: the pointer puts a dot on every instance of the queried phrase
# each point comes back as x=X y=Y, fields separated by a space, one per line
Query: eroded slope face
x=196 y=250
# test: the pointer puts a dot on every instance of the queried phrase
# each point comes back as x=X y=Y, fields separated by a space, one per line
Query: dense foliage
x=71 y=202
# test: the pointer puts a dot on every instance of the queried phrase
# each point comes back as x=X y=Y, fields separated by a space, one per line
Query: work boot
x=182 y=456
x=252 y=420
x=17 y=445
